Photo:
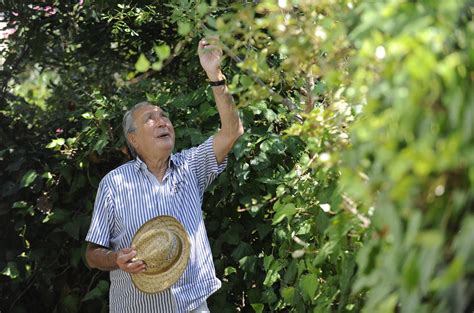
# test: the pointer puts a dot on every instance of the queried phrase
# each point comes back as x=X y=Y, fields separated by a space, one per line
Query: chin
x=166 y=146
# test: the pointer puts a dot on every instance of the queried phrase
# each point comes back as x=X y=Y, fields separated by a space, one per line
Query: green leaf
x=202 y=8
x=100 y=114
x=142 y=64
x=243 y=249
x=269 y=296
x=101 y=143
x=58 y=216
x=389 y=304
x=71 y=141
x=452 y=274
x=28 y=178
x=229 y=270
x=87 y=115
x=248 y=263
x=325 y=251
x=282 y=211
x=267 y=261
x=184 y=28
x=162 y=51
x=271 y=278
x=463 y=241
x=47 y=175
x=232 y=235
x=11 y=270
x=288 y=294
x=258 y=307
x=20 y=205
x=156 y=66
x=309 y=284
x=56 y=143
x=410 y=271
x=291 y=272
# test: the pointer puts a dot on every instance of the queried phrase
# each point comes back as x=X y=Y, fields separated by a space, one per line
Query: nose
x=160 y=121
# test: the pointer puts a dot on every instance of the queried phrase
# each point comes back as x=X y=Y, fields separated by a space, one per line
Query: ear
x=132 y=138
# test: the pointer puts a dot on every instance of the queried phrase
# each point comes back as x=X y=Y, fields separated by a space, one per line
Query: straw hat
x=163 y=245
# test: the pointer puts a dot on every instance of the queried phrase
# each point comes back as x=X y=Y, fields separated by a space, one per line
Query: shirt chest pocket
x=177 y=185
x=184 y=197
x=181 y=183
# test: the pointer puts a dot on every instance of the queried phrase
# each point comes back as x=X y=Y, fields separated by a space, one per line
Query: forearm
x=101 y=258
x=231 y=124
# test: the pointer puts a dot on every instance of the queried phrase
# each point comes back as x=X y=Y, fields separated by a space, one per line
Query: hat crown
x=162 y=243
x=160 y=250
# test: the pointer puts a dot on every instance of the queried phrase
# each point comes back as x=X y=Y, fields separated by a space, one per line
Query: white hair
x=128 y=125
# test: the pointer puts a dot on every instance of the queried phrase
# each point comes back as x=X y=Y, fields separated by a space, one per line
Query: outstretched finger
x=202 y=43
x=208 y=41
x=208 y=48
x=212 y=39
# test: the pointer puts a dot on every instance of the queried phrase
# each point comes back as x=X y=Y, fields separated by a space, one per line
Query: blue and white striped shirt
x=129 y=196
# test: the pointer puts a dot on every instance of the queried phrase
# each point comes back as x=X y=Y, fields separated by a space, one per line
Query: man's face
x=154 y=134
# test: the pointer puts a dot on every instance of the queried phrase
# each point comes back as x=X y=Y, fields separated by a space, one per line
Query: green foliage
x=411 y=151
x=350 y=190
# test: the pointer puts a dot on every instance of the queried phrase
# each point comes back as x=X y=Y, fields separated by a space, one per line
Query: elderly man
x=156 y=183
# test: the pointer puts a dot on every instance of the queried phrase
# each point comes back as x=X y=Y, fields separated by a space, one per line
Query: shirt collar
x=141 y=165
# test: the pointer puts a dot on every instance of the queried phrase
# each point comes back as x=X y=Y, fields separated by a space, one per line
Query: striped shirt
x=129 y=196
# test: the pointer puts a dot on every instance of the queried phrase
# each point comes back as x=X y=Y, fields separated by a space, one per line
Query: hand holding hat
x=162 y=244
x=127 y=262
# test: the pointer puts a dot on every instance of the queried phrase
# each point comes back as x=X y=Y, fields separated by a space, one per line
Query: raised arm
x=210 y=56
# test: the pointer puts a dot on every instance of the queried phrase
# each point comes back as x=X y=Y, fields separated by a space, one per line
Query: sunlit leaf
x=162 y=51
x=142 y=64
x=282 y=211
x=28 y=178
x=258 y=307
x=11 y=270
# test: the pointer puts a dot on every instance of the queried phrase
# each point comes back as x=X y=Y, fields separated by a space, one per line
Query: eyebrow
x=149 y=113
x=146 y=116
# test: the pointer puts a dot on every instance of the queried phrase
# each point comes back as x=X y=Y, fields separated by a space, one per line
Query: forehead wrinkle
x=147 y=110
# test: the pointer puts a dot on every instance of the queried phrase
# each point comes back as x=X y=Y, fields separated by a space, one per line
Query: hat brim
x=153 y=283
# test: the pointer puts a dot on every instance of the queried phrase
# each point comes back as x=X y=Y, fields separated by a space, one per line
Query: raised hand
x=210 y=55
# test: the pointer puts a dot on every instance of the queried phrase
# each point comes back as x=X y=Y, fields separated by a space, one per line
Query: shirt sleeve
x=203 y=162
x=102 y=217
